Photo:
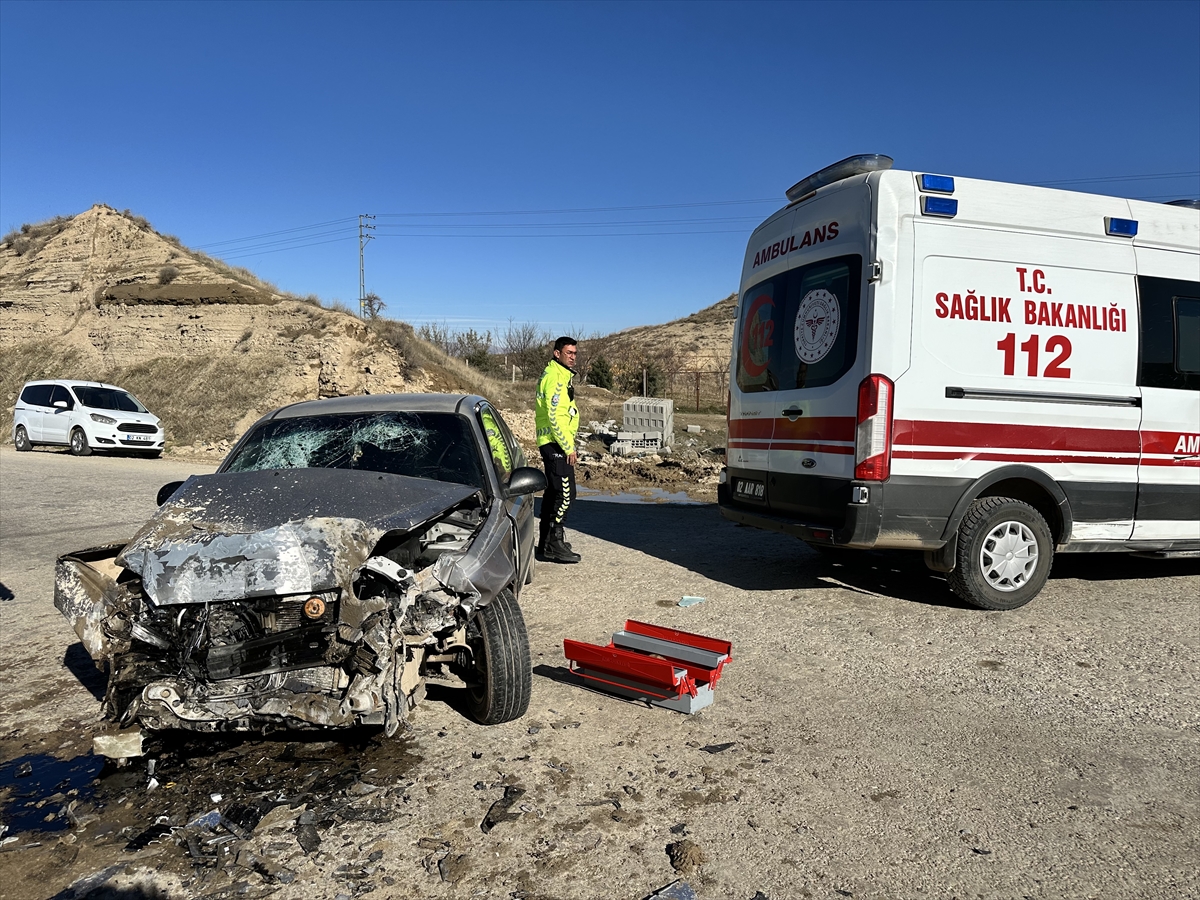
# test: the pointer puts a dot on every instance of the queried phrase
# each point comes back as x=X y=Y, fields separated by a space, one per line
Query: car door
x=30 y=408
x=56 y=420
x=506 y=456
x=1168 y=503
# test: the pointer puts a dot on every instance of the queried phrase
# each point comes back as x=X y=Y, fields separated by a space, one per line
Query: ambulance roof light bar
x=851 y=165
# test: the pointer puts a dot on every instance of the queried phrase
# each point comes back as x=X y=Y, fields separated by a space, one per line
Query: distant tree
x=438 y=334
x=372 y=306
x=632 y=379
x=475 y=349
x=167 y=274
x=600 y=373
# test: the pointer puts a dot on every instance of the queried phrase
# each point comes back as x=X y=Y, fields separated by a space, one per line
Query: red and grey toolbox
x=662 y=666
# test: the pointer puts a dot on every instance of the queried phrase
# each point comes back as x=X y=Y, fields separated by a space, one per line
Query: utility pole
x=364 y=235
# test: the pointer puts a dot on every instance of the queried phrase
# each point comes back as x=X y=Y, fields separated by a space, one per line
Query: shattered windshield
x=438 y=446
x=108 y=398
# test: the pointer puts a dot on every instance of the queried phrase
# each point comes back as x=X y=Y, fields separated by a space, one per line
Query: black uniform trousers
x=560 y=485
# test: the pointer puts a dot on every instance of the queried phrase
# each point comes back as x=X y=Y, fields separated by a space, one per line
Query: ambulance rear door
x=751 y=397
x=818 y=357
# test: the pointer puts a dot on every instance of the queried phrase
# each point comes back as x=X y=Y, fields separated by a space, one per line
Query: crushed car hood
x=277 y=531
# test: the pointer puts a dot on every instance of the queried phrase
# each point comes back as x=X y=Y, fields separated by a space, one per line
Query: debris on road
x=676 y=890
x=665 y=667
x=717 y=748
x=119 y=744
x=686 y=601
x=499 y=811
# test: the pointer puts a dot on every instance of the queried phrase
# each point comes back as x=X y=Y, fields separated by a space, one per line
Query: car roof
x=378 y=403
x=72 y=382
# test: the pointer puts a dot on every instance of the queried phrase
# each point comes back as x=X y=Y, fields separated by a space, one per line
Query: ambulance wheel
x=1004 y=554
x=503 y=675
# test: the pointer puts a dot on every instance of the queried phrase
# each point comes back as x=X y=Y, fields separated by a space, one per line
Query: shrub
x=167 y=274
x=632 y=379
x=600 y=373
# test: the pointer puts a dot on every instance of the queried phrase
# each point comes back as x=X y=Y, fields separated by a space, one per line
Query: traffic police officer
x=557 y=424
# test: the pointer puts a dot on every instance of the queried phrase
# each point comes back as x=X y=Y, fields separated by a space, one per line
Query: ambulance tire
x=992 y=519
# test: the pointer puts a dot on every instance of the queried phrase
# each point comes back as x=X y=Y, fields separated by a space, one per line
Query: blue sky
x=220 y=122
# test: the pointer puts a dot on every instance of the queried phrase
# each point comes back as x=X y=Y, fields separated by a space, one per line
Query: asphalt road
x=885 y=741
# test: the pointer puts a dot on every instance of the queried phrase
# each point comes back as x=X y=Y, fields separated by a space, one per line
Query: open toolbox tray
x=662 y=666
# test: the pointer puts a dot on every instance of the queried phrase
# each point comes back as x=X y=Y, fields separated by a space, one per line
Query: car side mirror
x=525 y=480
x=60 y=404
x=167 y=491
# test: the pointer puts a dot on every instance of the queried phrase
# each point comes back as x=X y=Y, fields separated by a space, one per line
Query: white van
x=985 y=372
x=84 y=416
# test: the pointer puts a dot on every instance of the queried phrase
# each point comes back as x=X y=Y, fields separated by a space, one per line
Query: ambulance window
x=800 y=328
x=1187 y=336
x=1169 y=340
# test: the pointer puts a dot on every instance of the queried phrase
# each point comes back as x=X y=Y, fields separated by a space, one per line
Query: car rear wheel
x=503 y=676
x=21 y=439
x=1004 y=554
x=79 y=443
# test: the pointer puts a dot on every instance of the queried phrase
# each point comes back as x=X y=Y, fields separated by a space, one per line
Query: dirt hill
x=208 y=347
x=700 y=341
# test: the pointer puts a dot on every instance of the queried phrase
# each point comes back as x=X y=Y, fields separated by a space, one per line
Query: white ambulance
x=989 y=373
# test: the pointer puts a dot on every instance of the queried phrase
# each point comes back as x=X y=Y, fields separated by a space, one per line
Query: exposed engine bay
x=214 y=618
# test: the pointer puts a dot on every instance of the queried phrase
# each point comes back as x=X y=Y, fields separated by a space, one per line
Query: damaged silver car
x=346 y=553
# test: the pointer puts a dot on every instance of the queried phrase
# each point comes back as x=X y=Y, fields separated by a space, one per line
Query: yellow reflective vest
x=556 y=416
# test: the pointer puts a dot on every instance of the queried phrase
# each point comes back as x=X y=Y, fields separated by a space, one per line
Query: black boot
x=556 y=550
x=543 y=535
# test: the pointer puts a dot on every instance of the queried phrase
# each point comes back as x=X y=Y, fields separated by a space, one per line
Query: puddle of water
x=650 y=495
x=250 y=774
x=36 y=786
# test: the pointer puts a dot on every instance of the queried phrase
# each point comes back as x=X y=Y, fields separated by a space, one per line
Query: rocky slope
x=103 y=296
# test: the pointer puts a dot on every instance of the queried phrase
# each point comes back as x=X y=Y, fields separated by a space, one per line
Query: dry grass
x=29 y=239
x=202 y=399
x=35 y=360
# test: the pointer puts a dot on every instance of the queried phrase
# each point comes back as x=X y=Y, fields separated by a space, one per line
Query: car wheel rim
x=77 y=441
x=1009 y=556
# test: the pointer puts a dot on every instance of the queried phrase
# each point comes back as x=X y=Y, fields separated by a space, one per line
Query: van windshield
x=800 y=328
x=108 y=398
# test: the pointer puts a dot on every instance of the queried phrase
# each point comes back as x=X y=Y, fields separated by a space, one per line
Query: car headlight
x=103 y=420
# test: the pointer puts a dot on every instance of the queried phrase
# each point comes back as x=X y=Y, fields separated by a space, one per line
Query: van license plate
x=139 y=437
x=748 y=489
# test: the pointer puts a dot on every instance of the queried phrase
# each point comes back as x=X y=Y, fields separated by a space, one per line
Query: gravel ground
x=883 y=741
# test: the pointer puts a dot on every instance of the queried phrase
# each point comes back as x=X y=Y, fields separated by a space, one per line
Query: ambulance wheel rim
x=1009 y=556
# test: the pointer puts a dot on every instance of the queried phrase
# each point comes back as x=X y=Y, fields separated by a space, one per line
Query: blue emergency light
x=946 y=207
x=939 y=184
x=1120 y=227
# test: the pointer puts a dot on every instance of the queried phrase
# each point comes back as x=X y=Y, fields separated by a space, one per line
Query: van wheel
x=503 y=675
x=79 y=443
x=21 y=439
x=1004 y=554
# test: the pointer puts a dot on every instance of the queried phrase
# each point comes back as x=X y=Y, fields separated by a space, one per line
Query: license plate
x=751 y=490
x=139 y=437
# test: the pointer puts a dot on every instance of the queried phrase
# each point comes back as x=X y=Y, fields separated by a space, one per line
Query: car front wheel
x=21 y=439
x=1004 y=554
x=503 y=675
x=79 y=443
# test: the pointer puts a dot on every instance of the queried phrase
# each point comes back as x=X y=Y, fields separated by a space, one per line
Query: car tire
x=1004 y=554
x=21 y=440
x=79 y=443
x=502 y=665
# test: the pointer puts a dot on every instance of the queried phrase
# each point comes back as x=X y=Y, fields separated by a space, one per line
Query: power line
x=255 y=237
x=1109 y=178
x=581 y=209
